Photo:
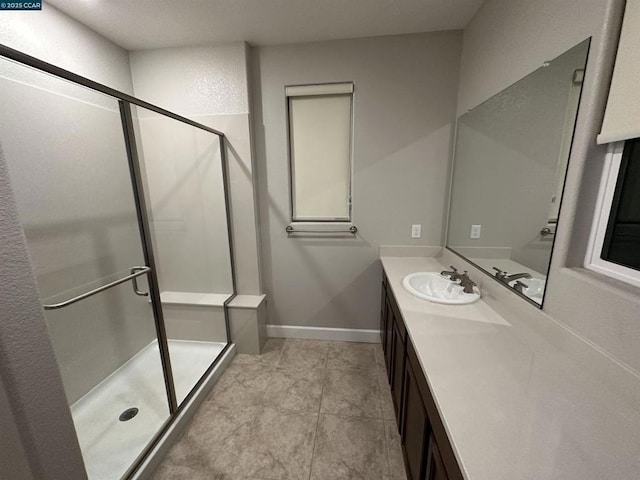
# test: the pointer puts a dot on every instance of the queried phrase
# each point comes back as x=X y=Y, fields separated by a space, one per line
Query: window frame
x=593 y=259
x=348 y=220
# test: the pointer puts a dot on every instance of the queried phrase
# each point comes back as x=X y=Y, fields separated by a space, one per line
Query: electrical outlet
x=416 y=231
x=475 y=231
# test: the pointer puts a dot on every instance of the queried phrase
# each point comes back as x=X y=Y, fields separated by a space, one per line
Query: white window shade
x=622 y=116
x=320 y=154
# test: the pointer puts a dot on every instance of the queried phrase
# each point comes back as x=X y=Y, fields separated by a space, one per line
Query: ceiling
x=142 y=24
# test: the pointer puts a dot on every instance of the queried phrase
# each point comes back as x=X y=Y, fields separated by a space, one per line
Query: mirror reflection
x=510 y=161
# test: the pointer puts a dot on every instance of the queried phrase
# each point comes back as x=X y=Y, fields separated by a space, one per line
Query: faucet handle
x=467 y=283
x=453 y=269
x=499 y=273
x=520 y=286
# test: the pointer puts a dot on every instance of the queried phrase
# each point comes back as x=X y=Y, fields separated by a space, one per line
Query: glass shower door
x=68 y=164
x=182 y=170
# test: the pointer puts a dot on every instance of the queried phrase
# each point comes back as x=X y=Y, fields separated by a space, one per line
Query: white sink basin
x=438 y=289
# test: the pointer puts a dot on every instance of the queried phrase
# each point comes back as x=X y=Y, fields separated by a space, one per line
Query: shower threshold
x=111 y=445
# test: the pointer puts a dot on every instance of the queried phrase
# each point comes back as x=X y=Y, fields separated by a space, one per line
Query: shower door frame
x=125 y=101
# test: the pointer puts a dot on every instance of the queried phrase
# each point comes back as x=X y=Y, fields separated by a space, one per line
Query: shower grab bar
x=135 y=272
x=352 y=230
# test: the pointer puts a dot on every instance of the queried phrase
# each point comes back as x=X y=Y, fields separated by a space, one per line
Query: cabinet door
x=399 y=361
x=383 y=317
x=389 y=338
x=435 y=467
x=414 y=427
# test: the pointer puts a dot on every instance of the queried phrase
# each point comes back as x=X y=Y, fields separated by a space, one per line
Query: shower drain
x=128 y=414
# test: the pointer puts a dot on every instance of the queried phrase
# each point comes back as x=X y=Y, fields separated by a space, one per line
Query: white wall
x=505 y=41
x=52 y=36
x=210 y=85
x=404 y=106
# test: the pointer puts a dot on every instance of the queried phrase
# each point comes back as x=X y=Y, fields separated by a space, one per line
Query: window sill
x=604 y=282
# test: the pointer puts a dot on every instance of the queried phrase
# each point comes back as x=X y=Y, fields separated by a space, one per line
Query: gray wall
x=505 y=41
x=404 y=106
x=210 y=85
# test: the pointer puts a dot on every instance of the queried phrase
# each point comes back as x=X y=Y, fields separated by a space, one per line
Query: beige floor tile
x=394 y=448
x=344 y=355
x=294 y=390
x=352 y=393
x=281 y=446
x=303 y=354
x=379 y=353
x=242 y=384
x=349 y=448
x=175 y=472
x=178 y=472
x=388 y=410
x=383 y=378
x=270 y=353
x=259 y=422
x=214 y=440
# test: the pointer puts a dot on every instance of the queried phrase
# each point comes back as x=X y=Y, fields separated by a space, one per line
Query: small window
x=622 y=238
x=615 y=240
x=320 y=132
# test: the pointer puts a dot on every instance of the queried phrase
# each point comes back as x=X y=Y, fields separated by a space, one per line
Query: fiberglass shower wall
x=69 y=169
x=68 y=165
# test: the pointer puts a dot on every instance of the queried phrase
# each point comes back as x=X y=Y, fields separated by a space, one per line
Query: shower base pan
x=110 y=445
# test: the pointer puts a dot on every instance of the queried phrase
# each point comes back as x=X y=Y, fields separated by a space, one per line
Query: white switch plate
x=475 y=231
x=416 y=231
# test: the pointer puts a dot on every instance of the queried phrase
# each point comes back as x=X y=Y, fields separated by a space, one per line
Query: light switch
x=416 y=231
x=475 y=231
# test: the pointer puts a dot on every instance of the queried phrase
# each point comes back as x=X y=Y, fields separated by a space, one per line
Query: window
x=320 y=131
x=614 y=247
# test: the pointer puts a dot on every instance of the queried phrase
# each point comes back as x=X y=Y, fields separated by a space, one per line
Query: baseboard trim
x=324 y=333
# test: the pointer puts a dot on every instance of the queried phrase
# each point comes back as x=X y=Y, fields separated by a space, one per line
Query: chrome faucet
x=516 y=276
x=467 y=283
x=453 y=274
x=506 y=278
x=519 y=286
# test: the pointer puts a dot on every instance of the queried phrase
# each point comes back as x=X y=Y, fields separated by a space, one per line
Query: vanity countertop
x=518 y=404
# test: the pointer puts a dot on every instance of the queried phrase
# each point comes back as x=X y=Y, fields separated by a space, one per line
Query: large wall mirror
x=510 y=162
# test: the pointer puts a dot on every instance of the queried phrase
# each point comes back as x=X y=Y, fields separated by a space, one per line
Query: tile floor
x=303 y=410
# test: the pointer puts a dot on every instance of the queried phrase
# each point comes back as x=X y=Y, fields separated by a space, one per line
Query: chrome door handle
x=135 y=272
x=134 y=281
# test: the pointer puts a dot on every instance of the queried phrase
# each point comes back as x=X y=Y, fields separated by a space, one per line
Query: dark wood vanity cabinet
x=427 y=452
x=415 y=428
x=435 y=467
x=393 y=335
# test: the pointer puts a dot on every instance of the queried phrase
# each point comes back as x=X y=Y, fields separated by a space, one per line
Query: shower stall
x=125 y=211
